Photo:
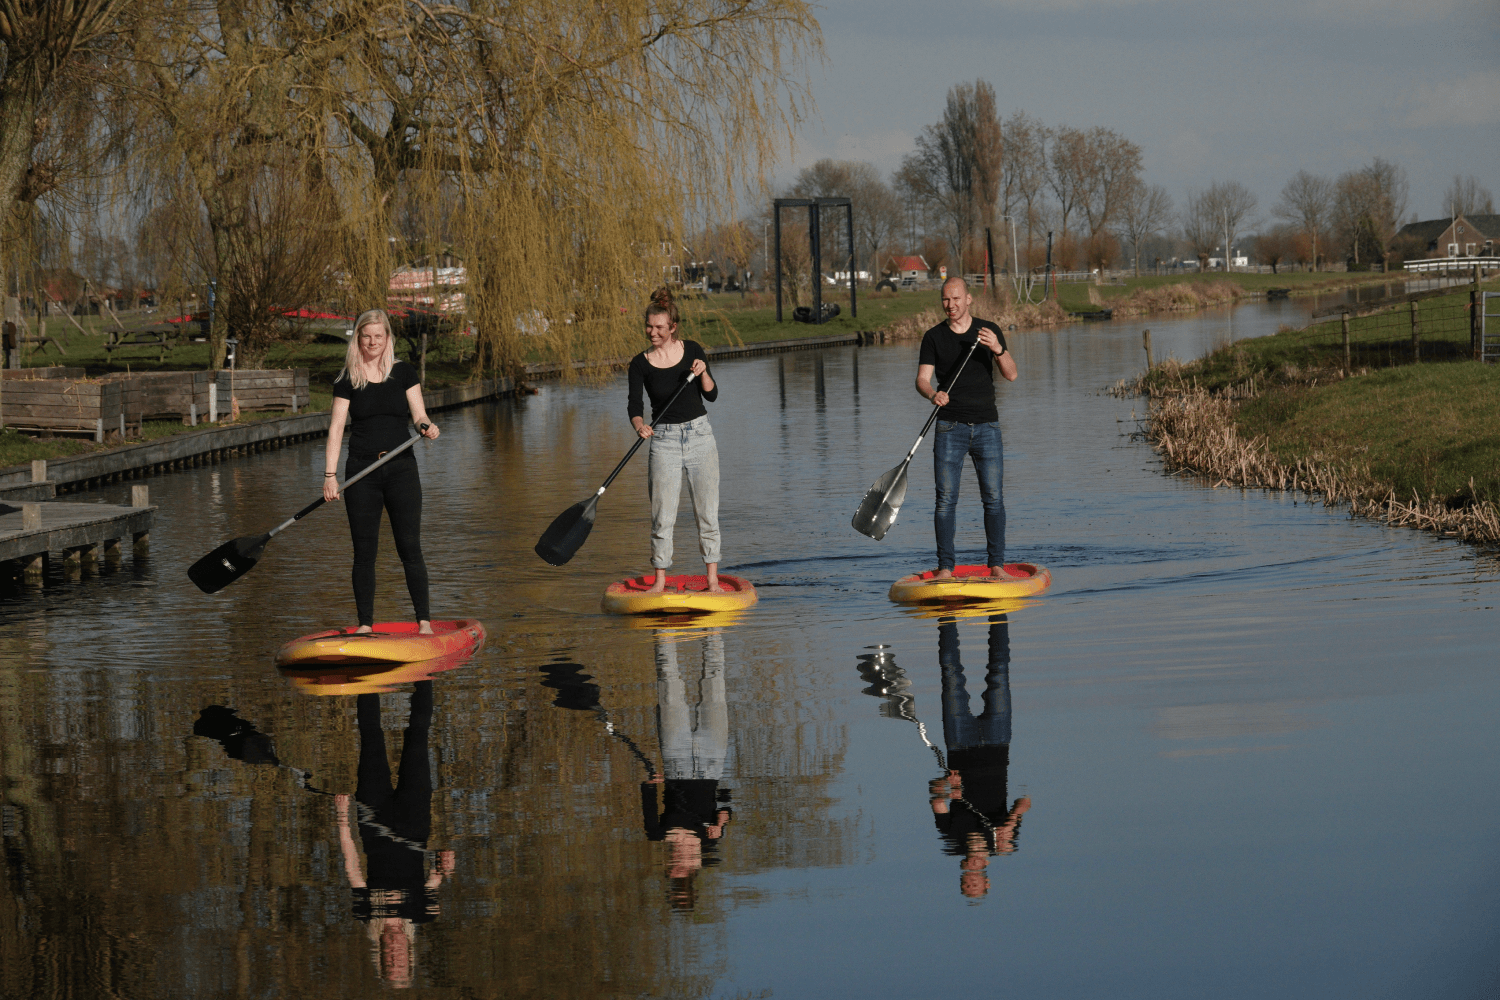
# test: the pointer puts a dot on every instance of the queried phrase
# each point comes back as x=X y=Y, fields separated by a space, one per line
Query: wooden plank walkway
x=81 y=532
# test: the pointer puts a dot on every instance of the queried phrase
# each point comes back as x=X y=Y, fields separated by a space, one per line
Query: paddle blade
x=566 y=535
x=878 y=510
x=227 y=563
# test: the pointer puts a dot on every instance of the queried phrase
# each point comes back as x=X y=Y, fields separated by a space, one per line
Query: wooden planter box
x=35 y=373
x=164 y=395
x=266 y=389
x=62 y=405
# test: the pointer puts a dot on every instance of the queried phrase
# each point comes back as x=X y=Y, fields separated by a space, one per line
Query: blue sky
x=1252 y=91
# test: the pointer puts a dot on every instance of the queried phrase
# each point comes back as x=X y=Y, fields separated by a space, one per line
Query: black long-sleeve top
x=661 y=383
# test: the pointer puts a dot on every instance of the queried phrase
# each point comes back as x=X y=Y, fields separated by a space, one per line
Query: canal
x=1245 y=746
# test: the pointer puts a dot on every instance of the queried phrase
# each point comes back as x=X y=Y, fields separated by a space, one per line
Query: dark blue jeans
x=951 y=443
x=991 y=728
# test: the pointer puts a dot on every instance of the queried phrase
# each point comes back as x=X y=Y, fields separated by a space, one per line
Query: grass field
x=1074 y=296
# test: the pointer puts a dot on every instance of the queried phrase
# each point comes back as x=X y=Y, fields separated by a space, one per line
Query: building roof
x=911 y=263
x=1487 y=226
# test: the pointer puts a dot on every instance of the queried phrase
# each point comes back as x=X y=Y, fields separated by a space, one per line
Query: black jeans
x=396 y=488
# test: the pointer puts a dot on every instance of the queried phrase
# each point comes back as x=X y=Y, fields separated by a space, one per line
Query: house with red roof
x=911 y=267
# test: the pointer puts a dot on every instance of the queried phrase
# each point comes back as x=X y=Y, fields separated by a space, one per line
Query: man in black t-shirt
x=968 y=421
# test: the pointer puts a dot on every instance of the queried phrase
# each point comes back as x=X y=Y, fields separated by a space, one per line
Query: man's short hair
x=958 y=278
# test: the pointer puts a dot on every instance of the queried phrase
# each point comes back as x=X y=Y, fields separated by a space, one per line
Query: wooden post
x=1416 y=333
x=88 y=558
x=1345 y=324
x=112 y=550
x=31 y=517
x=421 y=372
x=140 y=496
x=39 y=470
x=1146 y=341
x=1476 y=305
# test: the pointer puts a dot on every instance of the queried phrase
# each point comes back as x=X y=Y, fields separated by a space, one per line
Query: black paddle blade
x=566 y=535
x=227 y=563
x=878 y=510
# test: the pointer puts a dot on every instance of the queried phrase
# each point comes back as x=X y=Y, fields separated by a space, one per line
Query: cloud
x=1470 y=100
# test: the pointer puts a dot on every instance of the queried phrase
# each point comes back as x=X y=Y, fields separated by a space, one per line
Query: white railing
x=1445 y=265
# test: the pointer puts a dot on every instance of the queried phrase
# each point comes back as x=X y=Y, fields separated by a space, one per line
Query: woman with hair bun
x=379 y=394
x=683 y=441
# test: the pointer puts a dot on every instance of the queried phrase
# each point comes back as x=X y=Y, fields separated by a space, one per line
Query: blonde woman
x=379 y=395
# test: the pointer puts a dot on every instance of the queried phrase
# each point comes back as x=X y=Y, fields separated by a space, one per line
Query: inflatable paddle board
x=684 y=594
x=972 y=583
x=390 y=642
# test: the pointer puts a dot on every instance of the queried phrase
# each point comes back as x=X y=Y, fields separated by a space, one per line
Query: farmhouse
x=904 y=268
x=1472 y=236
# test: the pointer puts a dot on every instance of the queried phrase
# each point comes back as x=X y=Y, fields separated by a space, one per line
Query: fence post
x=1416 y=333
x=1345 y=323
x=1146 y=340
x=1476 y=303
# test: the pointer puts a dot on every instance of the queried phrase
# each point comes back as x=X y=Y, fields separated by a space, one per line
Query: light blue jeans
x=677 y=448
x=694 y=738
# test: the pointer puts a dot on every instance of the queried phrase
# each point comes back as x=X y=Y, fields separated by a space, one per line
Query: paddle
x=878 y=510
x=234 y=559
x=567 y=533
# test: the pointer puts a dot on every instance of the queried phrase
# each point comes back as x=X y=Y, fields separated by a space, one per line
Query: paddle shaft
x=932 y=417
x=347 y=483
x=640 y=440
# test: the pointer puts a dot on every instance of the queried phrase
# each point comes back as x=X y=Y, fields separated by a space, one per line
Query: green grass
x=1423 y=428
x=718 y=320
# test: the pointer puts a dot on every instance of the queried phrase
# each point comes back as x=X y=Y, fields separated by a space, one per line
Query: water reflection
x=395 y=891
x=682 y=804
x=970 y=802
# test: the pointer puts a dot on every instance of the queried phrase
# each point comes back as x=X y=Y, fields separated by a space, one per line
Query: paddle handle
x=349 y=482
x=932 y=417
x=640 y=440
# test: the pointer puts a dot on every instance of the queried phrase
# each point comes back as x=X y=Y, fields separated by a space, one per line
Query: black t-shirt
x=972 y=400
x=378 y=413
x=661 y=383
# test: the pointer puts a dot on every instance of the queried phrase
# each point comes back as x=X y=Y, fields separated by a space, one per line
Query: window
x=1468 y=249
x=1452 y=249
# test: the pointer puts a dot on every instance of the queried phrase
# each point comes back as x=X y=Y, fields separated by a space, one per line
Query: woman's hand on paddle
x=430 y=432
x=643 y=429
x=330 y=488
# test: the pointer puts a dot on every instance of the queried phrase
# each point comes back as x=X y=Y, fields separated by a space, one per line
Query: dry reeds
x=1180 y=297
x=1003 y=312
x=1195 y=432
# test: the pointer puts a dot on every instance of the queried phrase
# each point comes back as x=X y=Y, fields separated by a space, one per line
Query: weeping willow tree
x=558 y=150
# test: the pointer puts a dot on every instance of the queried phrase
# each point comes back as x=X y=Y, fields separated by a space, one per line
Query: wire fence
x=1428 y=326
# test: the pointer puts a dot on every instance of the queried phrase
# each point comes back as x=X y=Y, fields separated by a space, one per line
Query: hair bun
x=662 y=296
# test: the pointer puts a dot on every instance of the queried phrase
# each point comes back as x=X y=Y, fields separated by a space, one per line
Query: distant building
x=913 y=268
x=1472 y=236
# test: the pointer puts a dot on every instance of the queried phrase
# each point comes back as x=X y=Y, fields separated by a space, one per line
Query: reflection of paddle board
x=683 y=594
x=312 y=677
x=390 y=642
x=972 y=583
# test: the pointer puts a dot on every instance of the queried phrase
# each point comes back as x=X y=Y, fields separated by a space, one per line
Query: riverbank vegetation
x=1403 y=442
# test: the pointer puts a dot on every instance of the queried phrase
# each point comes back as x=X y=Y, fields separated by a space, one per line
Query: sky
x=1251 y=91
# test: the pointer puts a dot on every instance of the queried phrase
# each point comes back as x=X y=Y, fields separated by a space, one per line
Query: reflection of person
x=396 y=893
x=378 y=393
x=694 y=747
x=968 y=421
x=683 y=440
x=969 y=802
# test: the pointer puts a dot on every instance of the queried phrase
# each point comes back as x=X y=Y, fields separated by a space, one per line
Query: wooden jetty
x=81 y=533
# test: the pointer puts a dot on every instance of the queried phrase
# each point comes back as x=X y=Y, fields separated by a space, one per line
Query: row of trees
x=1022 y=179
x=296 y=152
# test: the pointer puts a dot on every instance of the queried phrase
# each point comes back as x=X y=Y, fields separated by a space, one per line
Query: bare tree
x=1144 y=211
x=1368 y=206
x=1025 y=174
x=1067 y=170
x=1224 y=209
x=1200 y=228
x=1307 y=201
x=956 y=166
x=1112 y=163
x=1466 y=196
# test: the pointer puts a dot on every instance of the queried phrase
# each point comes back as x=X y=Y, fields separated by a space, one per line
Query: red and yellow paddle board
x=684 y=594
x=310 y=677
x=972 y=583
x=390 y=642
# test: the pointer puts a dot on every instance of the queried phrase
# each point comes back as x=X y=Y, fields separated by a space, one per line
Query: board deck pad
x=972 y=583
x=389 y=642
x=684 y=594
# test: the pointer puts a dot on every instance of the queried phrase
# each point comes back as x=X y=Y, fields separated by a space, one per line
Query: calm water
x=1244 y=747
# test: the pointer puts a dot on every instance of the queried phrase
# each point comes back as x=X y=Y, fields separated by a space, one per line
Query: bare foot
x=363 y=629
x=713 y=579
x=660 y=585
x=998 y=572
x=943 y=574
x=424 y=627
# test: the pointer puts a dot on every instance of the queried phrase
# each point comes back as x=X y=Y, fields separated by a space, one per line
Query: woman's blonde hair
x=352 y=367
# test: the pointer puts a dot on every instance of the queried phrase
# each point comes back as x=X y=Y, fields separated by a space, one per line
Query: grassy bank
x=1403 y=442
x=1087 y=297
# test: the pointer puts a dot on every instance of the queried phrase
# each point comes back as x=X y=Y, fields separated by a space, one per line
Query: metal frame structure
x=814 y=207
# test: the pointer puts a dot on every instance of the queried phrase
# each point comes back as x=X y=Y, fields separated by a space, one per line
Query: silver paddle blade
x=878 y=510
